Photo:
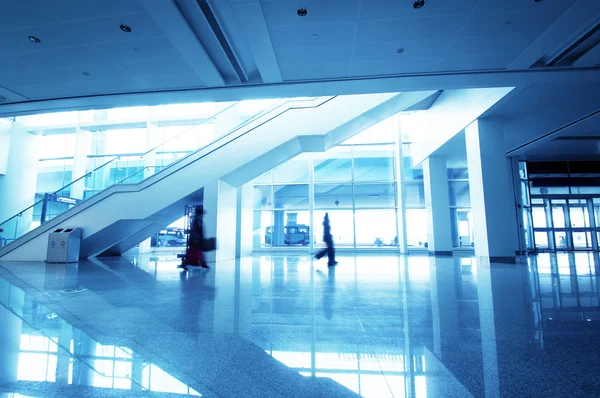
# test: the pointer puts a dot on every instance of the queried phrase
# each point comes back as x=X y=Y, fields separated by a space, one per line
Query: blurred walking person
x=328 y=239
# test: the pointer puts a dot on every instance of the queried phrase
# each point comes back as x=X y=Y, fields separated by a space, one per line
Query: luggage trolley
x=196 y=245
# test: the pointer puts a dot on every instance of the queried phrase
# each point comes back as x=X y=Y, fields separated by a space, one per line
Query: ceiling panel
x=303 y=36
x=91 y=87
x=169 y=81
x=395 y=67
x=138 y=49
x=81 y=9
x=410 y=29
x=51 y=36
x=387 y=51
x=496 y=6
x=68 y=74
x=137 y=68
x=324 y=71
x=61 y=57
x=314 y=55
x=464 y=62
x=25 y=13
x=508 y=24
x=372 y=10
x=488 y=45
x=103 y=30
x=283 y=13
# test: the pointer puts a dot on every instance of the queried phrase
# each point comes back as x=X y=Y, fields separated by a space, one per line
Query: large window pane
x=335 y=165
x=459 y=193
x=376 y=227
x=262 y=197
x=375 y=195
x=381 y=133
x=295 y=170
x=342 y=227
x=416 y=227
x=414 y=194
x=291 y=196
x=289 y=228
x=374 y=163
x=329 y=196
x=262 y=229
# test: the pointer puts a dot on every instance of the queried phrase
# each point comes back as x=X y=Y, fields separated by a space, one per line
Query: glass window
x=342 y=227
x=376 y=228
x=334 y=165
x=459 y=173
x=374 y=163
x=291 y=196
x=262 y=197
x=539 y=217
x=558 y=216
x=57 y=146
x=416 y=227
x=414 y=194
x=262 y=231
x=459 y=193
x=375 y=195
x=295 y=170
x=409 y=172
x=329 y=196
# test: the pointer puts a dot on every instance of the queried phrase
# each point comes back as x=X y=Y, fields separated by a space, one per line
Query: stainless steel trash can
x=63 y=245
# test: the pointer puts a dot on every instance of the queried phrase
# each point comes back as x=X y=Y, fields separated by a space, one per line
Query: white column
x=220 y=219
x=18 y=184
x=401 y=212
x=152 y=141
x=495 y=228
x=82 y=147
x=244 y=221
x=437 y=202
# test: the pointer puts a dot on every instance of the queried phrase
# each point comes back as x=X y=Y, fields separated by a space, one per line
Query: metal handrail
x=258 y=115
x=89 y=173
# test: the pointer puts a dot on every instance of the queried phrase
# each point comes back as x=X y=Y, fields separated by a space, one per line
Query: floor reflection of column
x=409 y=378
x=504 y=325
x=444 y=306
x=64 y=354
x=84 y=349
x=11 y=302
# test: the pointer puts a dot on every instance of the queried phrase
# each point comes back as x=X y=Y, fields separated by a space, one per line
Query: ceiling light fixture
x=34 y=39
x=302 y=12
x=399 y=51
x=125 y=28
x=418 y=4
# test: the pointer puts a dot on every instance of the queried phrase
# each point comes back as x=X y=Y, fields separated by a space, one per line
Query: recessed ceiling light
x=400 y=50
x=302 y=12
x=418 y=4
x=125 y=28
x=34 y=39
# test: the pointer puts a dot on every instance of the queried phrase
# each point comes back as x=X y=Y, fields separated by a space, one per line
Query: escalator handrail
x=89 y=173
x=98 y=198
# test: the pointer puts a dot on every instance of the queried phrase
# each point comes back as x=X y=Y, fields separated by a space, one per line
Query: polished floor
x=285 y=326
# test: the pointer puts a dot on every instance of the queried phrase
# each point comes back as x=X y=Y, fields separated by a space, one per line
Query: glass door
x=565 y=223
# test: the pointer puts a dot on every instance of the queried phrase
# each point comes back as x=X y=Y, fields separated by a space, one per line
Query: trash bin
x=63 y=245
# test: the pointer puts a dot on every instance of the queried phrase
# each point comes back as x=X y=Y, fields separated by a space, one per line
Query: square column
x=220 y=206
x=244 y=220
x=495 y=228
x=437 y=202
x=82 y=145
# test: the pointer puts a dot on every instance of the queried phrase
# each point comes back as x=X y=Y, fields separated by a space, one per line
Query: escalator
x=131 y=212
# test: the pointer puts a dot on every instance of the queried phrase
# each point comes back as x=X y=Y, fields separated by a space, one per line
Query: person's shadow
x=329 y=292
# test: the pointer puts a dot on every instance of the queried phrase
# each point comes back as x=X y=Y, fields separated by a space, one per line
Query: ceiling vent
x=574 y=52
x=214 y=25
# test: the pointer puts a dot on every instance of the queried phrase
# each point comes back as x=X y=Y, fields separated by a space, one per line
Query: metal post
x=44 y=208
